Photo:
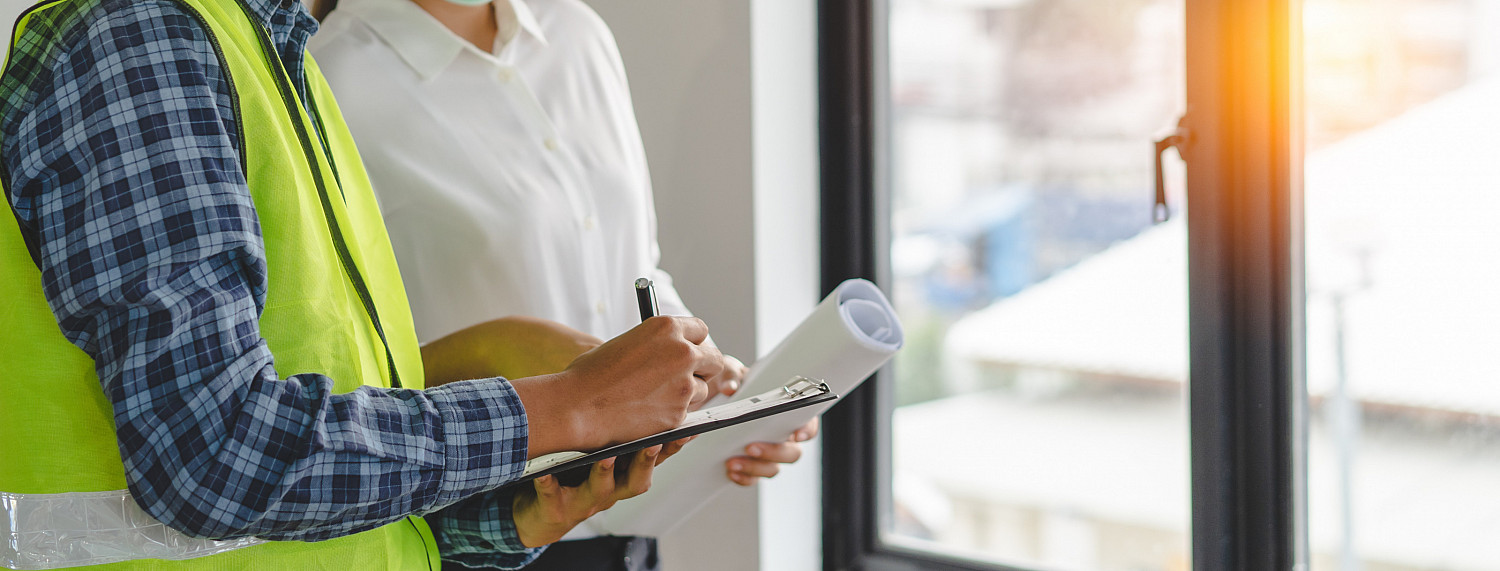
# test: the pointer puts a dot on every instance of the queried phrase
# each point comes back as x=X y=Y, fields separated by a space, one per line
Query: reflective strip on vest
x=54 y=531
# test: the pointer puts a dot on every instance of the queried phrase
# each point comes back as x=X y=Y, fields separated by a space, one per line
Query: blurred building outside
x=1048 y=318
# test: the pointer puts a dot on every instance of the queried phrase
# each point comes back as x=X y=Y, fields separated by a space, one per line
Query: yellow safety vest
x=63 y=497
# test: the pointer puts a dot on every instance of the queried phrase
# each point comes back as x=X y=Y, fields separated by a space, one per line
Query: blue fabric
x=121 y=163
x=480 y=532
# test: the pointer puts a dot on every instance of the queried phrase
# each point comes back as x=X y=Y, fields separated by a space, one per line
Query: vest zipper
x=297 y=115
x=317 y=117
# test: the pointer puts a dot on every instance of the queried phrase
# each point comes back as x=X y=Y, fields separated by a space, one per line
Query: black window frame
x=1246 y=388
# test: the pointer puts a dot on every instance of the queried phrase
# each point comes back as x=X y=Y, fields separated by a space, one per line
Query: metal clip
x=793 y=390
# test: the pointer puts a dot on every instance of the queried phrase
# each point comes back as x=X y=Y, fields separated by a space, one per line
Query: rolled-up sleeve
x=481 y=532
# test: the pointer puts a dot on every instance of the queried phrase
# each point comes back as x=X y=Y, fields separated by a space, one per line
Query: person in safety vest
x=207 y=358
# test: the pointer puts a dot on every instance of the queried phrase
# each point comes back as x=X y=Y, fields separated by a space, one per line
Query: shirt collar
x=289 y=25
x=265 y=11
x=419 y=39
x=527 y=19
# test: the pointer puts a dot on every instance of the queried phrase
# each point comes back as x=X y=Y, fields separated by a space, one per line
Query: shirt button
x=589 y=223
x=551 y=144
x=505 y=75
x=600 y=307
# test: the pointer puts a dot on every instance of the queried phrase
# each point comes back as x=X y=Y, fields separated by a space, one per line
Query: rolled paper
x=852 y=333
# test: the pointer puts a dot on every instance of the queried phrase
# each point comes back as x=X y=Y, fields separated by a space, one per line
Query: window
x=1047 y=316
x=1082 y=389
x=1403 y=118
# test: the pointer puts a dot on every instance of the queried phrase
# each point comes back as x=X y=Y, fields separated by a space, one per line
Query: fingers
x=693 y=329
x=709 y=362
x=784 y=453
x=672 y=448
x=722 y=385
x=762 y=460
x=701 y=392
x=744 y=471
x=551 y=501
x=601 y=485
x=639 y=478
x=547 y=489
x=807 y=432
x=734 y=373
x=726 y=383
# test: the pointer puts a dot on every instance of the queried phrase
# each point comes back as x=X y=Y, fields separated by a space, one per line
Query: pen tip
x=642 y=283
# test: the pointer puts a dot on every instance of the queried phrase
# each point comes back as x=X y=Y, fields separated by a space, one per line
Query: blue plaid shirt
x=122 y=167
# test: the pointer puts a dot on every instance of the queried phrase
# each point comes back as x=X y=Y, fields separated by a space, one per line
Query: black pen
x=645 y=295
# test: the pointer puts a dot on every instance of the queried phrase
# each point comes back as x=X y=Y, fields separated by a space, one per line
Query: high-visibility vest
x=335 y=305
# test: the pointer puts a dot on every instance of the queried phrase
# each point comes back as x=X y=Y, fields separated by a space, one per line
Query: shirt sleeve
x=123 y=169
x=480 y=532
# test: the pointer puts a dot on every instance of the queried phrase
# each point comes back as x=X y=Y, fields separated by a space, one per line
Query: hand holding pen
x=726 y=382
x=761 y=459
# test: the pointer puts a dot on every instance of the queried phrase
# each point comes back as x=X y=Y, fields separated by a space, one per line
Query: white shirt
x=512 y=181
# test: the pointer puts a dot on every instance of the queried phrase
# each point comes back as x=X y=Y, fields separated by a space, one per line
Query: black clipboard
x=800 y=392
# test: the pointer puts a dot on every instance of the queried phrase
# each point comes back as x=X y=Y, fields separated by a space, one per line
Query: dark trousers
x=608 y=553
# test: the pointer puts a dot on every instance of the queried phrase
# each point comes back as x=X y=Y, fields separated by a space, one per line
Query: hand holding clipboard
x=572 y=468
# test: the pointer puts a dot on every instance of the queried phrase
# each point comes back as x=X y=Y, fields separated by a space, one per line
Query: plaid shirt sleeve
x=121 y=166
x=480 y=532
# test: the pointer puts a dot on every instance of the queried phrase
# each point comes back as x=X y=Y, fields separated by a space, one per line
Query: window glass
x=1040 y=416
x=1402 y=212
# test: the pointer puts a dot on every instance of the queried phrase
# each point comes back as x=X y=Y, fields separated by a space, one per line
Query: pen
x=645 y=295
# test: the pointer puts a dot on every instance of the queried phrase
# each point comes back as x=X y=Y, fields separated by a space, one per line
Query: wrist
x=556 y=422
x=577 y=427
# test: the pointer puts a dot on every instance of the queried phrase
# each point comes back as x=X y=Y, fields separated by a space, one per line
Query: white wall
x=689 y=68
x=785 y=119
x=725 y=92
x=9 y=11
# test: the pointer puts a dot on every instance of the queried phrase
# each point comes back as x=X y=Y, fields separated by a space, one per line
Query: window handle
x=1179 y=138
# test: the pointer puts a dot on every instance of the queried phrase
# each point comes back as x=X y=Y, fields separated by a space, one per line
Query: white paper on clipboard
x=846 y=338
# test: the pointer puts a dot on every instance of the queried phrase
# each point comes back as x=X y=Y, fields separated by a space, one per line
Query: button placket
x=527 y=105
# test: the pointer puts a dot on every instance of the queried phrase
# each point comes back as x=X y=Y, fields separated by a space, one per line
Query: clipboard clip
x=802 y=385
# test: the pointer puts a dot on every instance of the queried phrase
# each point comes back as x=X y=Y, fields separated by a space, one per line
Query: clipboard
x=572 y=468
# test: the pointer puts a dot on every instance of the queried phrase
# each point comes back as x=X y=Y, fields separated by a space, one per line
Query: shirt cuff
x=484 y=436
x=481 y=532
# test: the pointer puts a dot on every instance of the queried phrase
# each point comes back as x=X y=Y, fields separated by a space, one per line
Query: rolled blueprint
x=845 y=339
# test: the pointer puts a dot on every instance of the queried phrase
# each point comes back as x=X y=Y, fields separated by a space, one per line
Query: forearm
x=290 y=460
x=513 y=347
x=482 y=351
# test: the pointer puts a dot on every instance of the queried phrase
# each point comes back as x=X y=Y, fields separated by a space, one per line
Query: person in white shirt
x=502 y=144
